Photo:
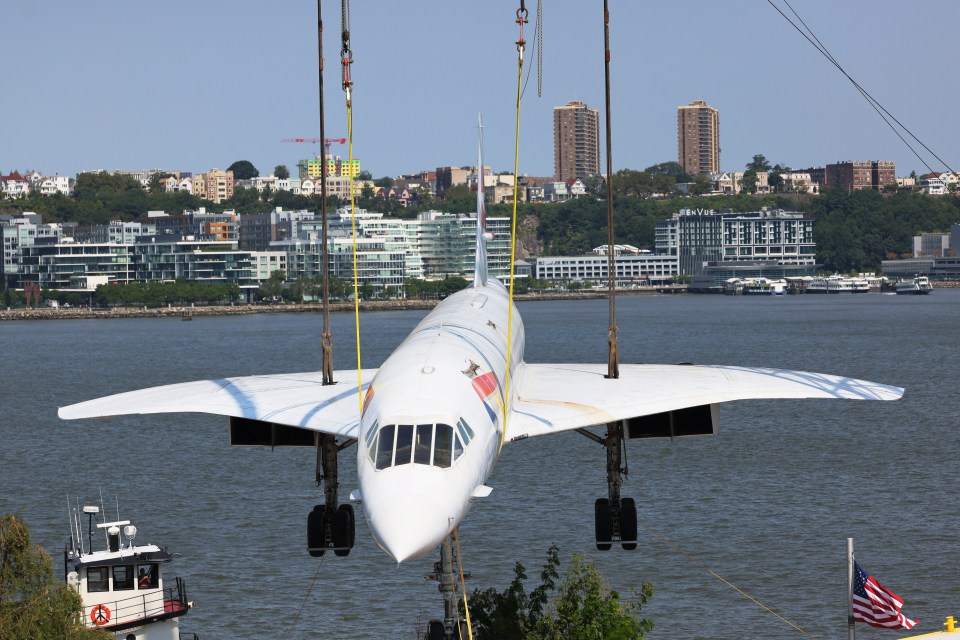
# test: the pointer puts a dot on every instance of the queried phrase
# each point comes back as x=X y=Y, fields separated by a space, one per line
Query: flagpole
x=851 y=629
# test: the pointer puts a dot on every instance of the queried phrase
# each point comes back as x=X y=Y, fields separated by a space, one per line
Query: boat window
x=123 y=577
x=404 y=444
x=98 y=579
x=385 y=447
x=442 y=441
x=423 y=444
x=147 y=576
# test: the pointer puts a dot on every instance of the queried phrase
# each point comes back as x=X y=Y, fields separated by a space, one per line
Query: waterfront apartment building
x=576 y=141
x=698 y=138
x=55 y=263
x=703 y=235
x=869 y=174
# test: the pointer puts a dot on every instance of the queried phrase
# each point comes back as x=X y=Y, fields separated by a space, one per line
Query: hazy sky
x=196 y=84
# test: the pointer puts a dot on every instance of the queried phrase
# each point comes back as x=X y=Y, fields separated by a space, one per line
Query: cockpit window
x=404 y=444
x=441 y=448
x=436 y=445
x=385 y=447
x=423 y=445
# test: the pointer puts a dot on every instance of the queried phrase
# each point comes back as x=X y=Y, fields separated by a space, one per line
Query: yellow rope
x=513 y=235
x=353 y=226
x=463 y=585
x=746 y=595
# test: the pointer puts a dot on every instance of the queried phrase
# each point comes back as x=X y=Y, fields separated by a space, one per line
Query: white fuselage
x=431 y=427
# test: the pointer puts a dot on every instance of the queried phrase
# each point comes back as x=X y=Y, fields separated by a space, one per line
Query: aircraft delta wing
x=559 y=397
x=550 y=398
x=289 y=399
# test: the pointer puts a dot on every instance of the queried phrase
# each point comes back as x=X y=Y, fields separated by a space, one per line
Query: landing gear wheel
x=343 y=530
x=603 y=524
x=317 y=531
x=628 y=524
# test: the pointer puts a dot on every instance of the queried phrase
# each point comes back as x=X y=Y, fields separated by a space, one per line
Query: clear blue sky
x=187 y=85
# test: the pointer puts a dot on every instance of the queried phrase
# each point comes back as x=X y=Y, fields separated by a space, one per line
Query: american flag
x=875 y=604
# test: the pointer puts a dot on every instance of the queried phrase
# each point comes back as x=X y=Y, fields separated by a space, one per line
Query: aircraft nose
x=409 y=526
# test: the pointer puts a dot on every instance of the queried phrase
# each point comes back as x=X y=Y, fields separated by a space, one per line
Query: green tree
x=759 y=163
x=386 y=182
x=364 y=175
x=32 y=604
x=281 y=171
x=775 y=181
x=273 y=288
x=243 y=170
x=674 y=169
x=579 y=606
x=701 y=186
x=748 y=184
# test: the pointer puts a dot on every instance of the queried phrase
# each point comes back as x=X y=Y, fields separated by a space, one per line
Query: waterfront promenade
x=85 y=313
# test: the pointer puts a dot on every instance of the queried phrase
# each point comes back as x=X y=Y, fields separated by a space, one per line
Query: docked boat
x=917 y=286
x=830 y=284
x=764 y=287
x=122 y=585
x=950 y=630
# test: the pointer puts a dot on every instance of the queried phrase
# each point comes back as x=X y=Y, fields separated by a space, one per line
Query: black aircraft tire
x=603 y=524
x=343 y=530
x=316 y=531
x=628 y=523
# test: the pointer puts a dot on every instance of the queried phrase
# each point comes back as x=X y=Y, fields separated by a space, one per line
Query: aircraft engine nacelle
x=702 y=420
x=246 y=432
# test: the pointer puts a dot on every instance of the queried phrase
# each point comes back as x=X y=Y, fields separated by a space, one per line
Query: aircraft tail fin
x=480 y=269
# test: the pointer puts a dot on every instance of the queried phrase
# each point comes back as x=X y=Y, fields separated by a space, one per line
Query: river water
x=768 y=503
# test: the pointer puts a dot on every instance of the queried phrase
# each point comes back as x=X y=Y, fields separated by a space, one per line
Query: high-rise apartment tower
x=576 y=141
x=698 y=138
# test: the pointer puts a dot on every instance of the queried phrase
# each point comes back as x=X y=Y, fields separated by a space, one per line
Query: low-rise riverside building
x=632 y=270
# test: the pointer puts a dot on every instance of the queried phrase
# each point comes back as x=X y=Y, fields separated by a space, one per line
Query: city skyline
x=114 y=86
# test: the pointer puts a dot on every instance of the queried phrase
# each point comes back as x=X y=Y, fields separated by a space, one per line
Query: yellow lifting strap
x=521 y=20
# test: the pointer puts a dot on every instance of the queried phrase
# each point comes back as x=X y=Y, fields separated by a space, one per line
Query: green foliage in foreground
x=156 y=294
x=34 y=606
x=578 y=606
x=417 y=288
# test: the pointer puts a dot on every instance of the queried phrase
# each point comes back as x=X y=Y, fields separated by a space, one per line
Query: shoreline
x=83 y=313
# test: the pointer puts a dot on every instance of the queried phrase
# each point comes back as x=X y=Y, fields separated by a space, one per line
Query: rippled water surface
x=768 y=503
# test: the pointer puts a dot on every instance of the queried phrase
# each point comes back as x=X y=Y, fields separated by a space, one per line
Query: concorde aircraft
x=436 y=414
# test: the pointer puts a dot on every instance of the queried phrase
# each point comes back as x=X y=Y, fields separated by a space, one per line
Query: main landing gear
x=330 y=525
x=615 y=518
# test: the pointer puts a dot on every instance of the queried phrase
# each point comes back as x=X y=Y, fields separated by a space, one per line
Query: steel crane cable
x=613 y=356
x=885 y=115
x=521 y=20
x=326 y=337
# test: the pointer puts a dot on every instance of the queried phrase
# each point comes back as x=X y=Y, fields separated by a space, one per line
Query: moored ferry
x=830 y=284
x=916 y=286
x=122 y=585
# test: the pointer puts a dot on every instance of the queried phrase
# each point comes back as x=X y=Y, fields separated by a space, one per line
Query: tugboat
x=122 y=586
